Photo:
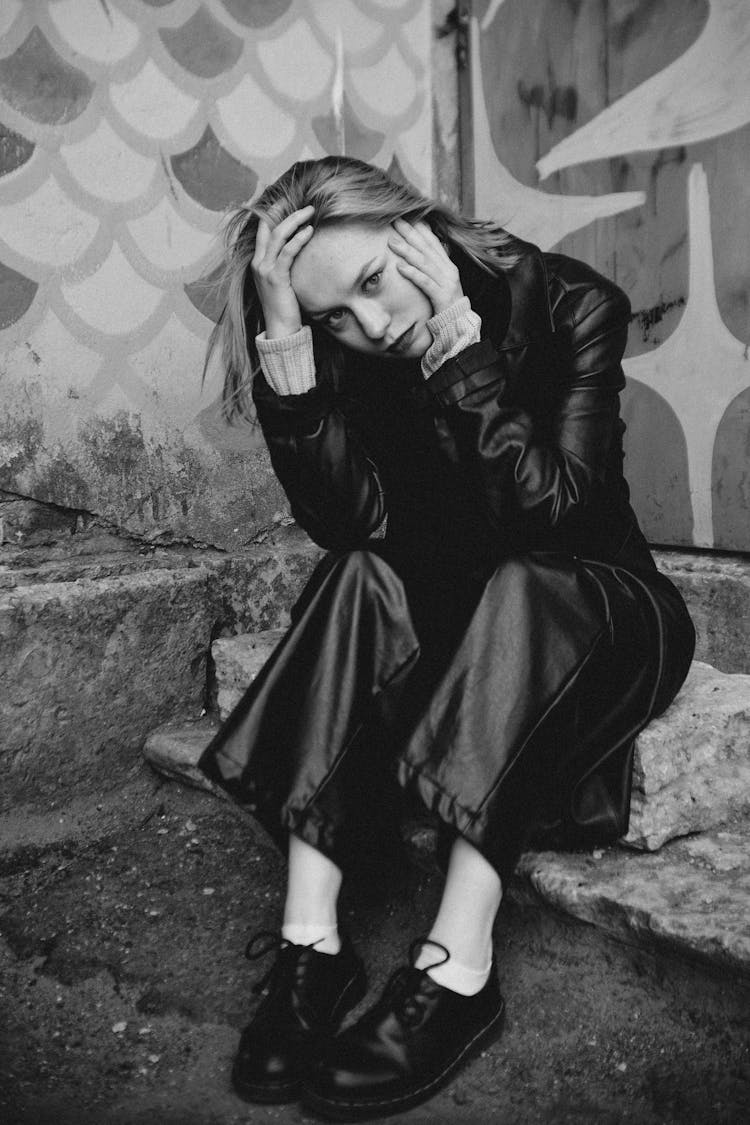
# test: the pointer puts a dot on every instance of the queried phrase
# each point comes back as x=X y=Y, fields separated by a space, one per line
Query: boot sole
x=339 y=1110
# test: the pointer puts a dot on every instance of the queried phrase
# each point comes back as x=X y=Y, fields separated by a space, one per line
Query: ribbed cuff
x=288 y=362
x=452 y=330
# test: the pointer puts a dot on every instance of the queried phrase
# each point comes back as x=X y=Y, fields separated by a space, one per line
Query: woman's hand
x=424 y=260
x=275 y=251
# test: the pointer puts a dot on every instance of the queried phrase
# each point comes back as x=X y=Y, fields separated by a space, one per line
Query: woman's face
x=347 y=280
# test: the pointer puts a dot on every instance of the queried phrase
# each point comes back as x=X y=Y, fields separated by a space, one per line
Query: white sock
x=313 y=884
x=459 y=978
x=325 y=939
x=464 y=922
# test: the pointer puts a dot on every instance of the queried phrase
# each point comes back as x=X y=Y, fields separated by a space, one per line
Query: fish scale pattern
x=128 y=128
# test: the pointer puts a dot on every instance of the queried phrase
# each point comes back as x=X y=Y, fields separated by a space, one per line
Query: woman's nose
x=373 y=320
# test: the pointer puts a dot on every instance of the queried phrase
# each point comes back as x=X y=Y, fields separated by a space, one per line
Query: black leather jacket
x=514 y=445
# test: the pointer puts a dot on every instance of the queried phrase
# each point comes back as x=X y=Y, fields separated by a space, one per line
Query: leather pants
x=508 y=702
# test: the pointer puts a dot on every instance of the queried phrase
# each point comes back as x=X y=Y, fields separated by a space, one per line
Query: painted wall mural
x=620 y=134
x=703 y=94
x=127 y=128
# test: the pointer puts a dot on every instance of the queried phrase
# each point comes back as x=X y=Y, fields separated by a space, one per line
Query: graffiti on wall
x=127 y=129
x=687 y=404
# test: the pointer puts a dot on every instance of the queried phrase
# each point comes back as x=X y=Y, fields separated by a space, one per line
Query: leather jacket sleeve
x=333 y=487
x=539 y=459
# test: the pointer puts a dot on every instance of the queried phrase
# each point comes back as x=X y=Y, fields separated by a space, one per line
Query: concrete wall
x=127 y=129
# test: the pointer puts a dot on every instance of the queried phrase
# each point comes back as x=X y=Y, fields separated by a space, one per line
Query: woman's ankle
x=324 y=938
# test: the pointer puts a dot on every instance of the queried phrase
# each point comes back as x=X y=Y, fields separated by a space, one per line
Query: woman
x=440 y=403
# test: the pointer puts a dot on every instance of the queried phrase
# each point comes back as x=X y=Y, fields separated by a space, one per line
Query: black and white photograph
x=375 y=562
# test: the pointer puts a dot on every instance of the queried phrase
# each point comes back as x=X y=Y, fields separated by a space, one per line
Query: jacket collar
x=514 y=305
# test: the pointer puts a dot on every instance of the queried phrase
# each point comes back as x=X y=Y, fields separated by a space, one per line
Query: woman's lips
x=402 y=343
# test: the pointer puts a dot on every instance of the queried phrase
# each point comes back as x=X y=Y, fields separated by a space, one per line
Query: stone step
x=716 y=589
x=173 y=749
x=692 y=898
x=237 y=661
x=96 y=651
x=691 y=771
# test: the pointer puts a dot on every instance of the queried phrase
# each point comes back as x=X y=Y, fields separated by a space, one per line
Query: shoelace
x=270 y=942
x=400 y=992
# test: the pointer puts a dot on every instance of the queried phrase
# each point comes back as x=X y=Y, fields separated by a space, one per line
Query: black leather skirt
x=507 y=702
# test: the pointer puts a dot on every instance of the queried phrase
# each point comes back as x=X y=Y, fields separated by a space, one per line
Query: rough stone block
x=692 y=765
x=174 y=748
x=88 y=667
x=691 y=898
x=259 y=586
x=97 y=648
x=238 y=661
x=716 y=589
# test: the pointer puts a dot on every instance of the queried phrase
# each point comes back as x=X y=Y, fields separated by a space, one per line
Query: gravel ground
x=123 y=987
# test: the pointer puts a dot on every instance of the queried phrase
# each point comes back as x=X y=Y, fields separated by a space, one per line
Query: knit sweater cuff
x=288 y=362
x=452 y=330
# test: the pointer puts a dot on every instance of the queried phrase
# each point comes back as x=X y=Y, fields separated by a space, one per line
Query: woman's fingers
x=422 y=239
x=261 y=241
x=423 y=259
x=293 y=245
x=272 y=243
x=284 y=230
x=419 y=246
x=275 y=251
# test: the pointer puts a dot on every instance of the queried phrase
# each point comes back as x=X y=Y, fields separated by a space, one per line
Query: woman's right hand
x=275 y=251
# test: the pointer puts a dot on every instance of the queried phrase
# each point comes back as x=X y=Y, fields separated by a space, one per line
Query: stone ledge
x=94 y=659
x=716 y=589
x=692 y=765
x=692 y=898
x=237 y=661
x=173 y=749
x=88 y=667
x=259 y=585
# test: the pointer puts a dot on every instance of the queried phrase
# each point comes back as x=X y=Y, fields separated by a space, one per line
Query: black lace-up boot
x=405 y=1047
x=305 y=997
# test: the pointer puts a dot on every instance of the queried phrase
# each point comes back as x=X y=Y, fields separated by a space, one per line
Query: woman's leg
x=316 y=978
x=313 y=884
x=464 y=922
x=433 y=1014
x=291 y=750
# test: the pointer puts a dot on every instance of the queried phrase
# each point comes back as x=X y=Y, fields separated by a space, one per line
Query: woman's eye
x=335 y=317
x=373 y=279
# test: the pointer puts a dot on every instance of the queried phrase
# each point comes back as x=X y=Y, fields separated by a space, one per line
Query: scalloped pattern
x=202 y=45
x=126 y=129
x=16 y=294
x=15 y=150
x=212 y=176
x=41 y=85
x=97 y=31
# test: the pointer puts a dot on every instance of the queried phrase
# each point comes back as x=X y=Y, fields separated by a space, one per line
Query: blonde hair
x=341 y=190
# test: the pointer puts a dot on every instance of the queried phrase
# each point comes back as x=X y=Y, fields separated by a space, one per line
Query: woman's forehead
x=327 y=269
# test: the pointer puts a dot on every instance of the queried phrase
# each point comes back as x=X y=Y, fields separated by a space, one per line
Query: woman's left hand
x=424 y=260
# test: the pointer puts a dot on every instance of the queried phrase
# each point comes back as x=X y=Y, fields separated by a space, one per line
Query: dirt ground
x=123 y=987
